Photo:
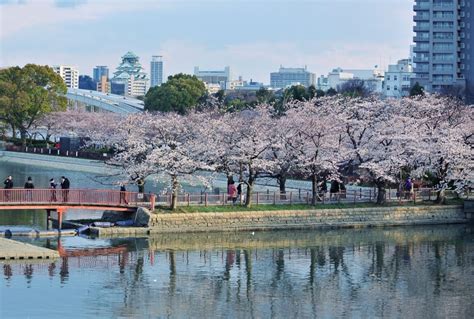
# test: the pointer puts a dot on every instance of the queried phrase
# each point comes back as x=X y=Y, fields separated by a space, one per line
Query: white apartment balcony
x=421 y=59
x=421 y=69
x=421 y=16
x=421 y=39
x=420 y=6
x=424 y=48
x=417 y=28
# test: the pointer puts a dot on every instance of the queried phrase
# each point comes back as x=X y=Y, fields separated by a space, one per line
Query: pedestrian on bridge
x=52 y=186
x=141 y=185
x=29 y=186
x=123 y=194
x=8 y=186
x=65 y=187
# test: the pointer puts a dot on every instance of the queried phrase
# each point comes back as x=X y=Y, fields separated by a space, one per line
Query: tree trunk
x=282 y=184
x=314 y=190
x=248 y=199
x=440 y=197
x=174 y=195
x=13 y=131
x=381 y=193
x=23 y=136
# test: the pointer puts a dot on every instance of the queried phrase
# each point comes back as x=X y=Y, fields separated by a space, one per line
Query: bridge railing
x=86 y=197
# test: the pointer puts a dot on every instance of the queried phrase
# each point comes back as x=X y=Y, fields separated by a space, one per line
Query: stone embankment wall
x=307 y=219
x=293 y=219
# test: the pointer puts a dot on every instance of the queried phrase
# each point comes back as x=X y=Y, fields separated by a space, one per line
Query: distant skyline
x=252 y=37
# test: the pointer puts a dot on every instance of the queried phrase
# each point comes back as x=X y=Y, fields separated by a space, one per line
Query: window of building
x=443 y=14
x=388 y=77
x=443 y=56
x=442 y=46
x=443 y=25
x=395 y=88
x=388 y=87
x=395 y=78
x=443 y=35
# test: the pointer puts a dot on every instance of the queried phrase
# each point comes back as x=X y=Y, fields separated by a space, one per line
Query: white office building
x=286 y=77
x=69 y=74
x=373 y=79
x=397 y=82
x=221 y=77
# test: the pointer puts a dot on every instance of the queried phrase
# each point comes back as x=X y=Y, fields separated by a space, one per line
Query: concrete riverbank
x=293 y=219
x=14 y=250
x=58 y=162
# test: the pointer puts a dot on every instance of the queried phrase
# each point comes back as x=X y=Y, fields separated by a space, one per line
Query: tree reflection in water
x=396 y=272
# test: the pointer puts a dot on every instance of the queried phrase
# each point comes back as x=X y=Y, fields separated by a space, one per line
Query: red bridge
x=61 y=200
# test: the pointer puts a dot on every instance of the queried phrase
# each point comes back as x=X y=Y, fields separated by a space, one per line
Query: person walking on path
x=52 y=186
x=232 y=192
x=65 y=187
x=123 y=194
x=8 y=186
x=408 y=188
x=29 y=186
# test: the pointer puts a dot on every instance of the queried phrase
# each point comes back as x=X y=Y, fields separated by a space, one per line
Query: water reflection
x=413 y=272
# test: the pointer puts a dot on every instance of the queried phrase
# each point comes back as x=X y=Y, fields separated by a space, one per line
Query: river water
x=411 y=272
x=403 y=272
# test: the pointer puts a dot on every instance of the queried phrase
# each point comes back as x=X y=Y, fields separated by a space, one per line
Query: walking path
x=13 y=250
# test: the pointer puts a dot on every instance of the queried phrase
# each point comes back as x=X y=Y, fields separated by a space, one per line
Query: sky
x=253 y=37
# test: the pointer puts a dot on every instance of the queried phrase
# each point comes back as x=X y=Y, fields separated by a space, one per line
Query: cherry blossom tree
x=315 y=141
x=445 y=145
x=242 y=142
x=380 y=137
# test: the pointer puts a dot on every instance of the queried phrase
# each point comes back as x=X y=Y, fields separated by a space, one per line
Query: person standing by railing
x=52 y=186
x=123 y=194
x=29 y=186
x=65 y=187
x=8 y=186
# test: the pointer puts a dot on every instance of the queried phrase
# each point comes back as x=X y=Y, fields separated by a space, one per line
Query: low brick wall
x=307 y=219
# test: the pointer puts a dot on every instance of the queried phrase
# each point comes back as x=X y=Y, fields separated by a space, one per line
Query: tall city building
x=129 y=78
x=221 y=77
x=444 y=45
x=291 y=76
x=156 y=70
x=100 y=71
x=69 y=74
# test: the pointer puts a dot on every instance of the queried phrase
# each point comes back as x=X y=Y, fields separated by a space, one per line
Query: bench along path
x=14 y=250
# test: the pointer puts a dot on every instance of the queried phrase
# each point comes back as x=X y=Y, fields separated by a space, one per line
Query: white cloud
x=17 y=17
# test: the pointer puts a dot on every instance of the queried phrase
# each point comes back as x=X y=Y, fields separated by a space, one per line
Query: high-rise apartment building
x=156 y=70
x=69 y=74
x=100 y=71
x=291 y=76
x=444 y=44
